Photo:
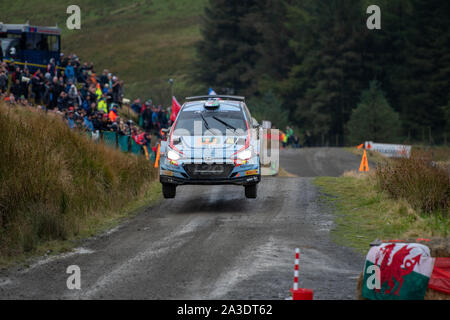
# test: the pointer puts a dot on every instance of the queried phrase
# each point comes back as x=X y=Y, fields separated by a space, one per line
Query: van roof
x=19 y=28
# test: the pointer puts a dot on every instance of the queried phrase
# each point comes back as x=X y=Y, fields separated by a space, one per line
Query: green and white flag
x=397 y=271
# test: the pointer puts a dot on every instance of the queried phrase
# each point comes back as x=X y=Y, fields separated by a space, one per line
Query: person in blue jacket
x=70 y=73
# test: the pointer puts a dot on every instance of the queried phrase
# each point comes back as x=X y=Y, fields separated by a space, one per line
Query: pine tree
x=227 y=53
x=413 y=55
x=269 y=107
x=428 y=65
x=330 y=73
x=374 y=119
x=275 y=55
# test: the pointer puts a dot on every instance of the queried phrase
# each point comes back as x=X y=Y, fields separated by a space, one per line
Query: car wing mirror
x=255 y=123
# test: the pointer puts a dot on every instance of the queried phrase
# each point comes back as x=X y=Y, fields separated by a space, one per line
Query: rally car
x=214 y=140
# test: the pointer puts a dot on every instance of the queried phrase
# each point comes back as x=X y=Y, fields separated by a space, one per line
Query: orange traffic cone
x=360 y=146
x=364 y=163
x=157 y=157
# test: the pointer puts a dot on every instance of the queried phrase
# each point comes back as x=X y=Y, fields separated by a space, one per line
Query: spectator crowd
x=85 y=100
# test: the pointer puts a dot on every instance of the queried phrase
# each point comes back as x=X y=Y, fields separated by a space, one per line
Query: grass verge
x=365 y=213
x=57 y=186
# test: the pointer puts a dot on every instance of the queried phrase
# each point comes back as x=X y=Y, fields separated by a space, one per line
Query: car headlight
x=172 y=155
x=244 y=155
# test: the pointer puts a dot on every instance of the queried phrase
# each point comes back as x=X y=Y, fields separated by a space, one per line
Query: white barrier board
x=389 y=150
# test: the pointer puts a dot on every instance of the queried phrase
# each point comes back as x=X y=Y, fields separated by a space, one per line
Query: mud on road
x=210 y=242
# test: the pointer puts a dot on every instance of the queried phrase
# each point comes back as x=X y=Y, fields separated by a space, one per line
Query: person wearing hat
x=64 y=60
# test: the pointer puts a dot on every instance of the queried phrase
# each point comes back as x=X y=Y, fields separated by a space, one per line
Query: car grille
x=208 y=171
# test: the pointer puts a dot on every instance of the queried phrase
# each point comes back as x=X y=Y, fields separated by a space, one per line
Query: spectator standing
x=62 y=101
x=70 y=73
x=102 y=105
x=51 y=67
x=26 y=82
x=3 y=81
x=147 y=117
x=16 y=89
x=37 y=83
x=136 y=106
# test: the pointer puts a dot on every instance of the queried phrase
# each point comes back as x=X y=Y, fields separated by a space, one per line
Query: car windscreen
x=210 y=123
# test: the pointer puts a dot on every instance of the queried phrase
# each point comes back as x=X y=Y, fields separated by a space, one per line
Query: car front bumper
x=247 y=180
x=182 y=174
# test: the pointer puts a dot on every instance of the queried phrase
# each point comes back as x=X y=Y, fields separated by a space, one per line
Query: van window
x=41 y=42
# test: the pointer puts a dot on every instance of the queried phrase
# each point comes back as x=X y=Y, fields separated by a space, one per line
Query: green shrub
x=425 y=185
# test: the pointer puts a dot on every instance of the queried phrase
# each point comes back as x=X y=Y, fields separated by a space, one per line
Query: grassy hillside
x=145 y=41
x=56 y=184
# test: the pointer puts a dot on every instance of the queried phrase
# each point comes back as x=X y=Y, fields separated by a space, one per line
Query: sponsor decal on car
x=207 y=141
x=251 y=172
x=166 y=173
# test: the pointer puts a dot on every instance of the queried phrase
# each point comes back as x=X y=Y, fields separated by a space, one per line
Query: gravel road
x=210 y=242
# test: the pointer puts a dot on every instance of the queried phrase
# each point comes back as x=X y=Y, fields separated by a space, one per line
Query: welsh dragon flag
x=405 y=269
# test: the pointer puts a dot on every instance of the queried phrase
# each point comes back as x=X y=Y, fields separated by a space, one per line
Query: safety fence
x=123 y=143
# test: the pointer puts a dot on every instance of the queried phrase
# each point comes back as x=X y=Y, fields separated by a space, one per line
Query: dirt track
x=212 y=243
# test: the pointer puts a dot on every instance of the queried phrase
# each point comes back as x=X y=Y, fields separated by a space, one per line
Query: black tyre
x=169 y=190
x=251 y=191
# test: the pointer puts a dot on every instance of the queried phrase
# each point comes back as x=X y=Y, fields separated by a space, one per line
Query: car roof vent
x=212 y=104
x=236 y=98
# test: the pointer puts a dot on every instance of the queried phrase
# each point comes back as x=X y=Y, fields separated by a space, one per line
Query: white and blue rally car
x=214 y=140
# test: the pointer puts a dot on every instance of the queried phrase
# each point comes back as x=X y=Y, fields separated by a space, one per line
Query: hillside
x=56 y=184
x=146 y=42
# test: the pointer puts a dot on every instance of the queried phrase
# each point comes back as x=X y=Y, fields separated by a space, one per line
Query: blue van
x=32 y=46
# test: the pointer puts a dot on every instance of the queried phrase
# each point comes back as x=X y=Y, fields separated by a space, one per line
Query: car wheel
x=169 y=190
x=251 y=191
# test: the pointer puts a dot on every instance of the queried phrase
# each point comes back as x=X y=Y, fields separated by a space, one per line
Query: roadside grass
x=145 y=42
x=437 y=153
x=365 y=213
x=94 y=225
x=425 y=185
x=57 y=185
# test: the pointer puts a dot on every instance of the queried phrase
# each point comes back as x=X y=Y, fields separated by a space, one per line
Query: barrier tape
x=31 y=64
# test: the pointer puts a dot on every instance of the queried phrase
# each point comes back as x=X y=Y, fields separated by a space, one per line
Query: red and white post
x=297 y=260
x=299 y=293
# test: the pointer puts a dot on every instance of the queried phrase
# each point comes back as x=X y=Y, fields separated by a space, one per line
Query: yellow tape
x=32 y=64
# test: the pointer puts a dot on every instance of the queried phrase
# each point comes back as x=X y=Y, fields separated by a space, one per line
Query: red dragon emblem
x=394 y=270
